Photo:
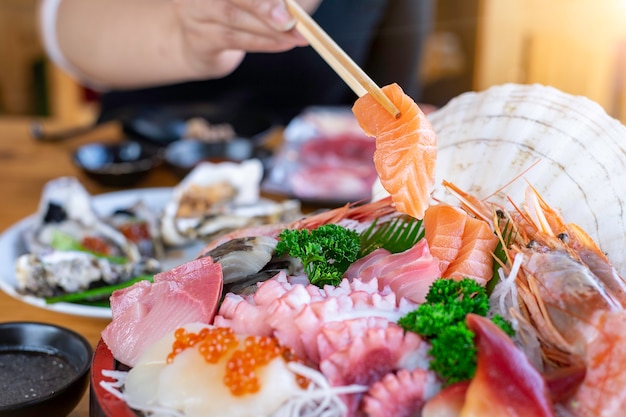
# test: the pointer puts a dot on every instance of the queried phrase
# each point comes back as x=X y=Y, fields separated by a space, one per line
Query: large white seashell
x=487 y=139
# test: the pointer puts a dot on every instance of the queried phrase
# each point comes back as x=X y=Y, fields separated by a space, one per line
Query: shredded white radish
x=504 y=295
x=504 y=301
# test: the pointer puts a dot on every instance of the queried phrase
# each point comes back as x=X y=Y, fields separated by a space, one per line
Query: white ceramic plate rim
x=11 y=247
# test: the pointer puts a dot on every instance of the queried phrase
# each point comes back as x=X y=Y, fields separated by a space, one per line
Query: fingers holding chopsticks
x=216 y=34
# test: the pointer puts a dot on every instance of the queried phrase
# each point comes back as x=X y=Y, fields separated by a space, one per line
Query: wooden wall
x=578 y=46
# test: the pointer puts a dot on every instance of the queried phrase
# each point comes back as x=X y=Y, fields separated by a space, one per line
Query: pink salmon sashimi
x=409 y=274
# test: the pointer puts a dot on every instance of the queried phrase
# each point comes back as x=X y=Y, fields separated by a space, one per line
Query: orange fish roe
x=135 y=231
x=212 y=343
x=96 y=245
x=242 y=365
x=241 y=377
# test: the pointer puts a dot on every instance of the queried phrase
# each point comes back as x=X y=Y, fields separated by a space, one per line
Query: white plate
x=11 y=247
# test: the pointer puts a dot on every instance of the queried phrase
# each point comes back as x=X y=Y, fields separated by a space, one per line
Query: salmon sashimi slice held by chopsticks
x=406 y=149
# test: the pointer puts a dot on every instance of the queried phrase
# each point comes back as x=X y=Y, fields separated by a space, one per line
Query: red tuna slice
x=505 y=384
x=144 y=312
x=562 y=384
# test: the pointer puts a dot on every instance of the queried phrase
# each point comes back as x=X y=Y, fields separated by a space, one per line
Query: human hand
x=216 y=34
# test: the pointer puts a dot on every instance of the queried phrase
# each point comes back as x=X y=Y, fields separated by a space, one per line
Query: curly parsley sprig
x=441 y=321
x=325 y=252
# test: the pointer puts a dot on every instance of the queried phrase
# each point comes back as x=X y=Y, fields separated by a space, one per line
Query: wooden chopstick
x=336 y=57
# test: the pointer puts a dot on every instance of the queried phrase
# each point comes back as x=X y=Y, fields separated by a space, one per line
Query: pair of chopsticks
x=336 y=57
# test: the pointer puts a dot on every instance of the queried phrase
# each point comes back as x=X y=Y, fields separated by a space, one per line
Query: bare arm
x=139 y=43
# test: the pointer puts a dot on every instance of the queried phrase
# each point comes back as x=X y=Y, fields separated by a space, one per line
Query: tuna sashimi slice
x=524 y=392
x=144 y=312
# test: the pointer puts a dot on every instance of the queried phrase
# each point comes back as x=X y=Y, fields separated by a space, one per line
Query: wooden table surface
x=25 y=166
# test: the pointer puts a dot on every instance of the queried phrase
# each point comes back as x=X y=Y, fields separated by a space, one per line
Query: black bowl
x=183 y=155
x=164 y=124
x=117 y=165
x=29 y=351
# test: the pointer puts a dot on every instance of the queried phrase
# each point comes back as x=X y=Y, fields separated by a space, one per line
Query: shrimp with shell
x=569 y=294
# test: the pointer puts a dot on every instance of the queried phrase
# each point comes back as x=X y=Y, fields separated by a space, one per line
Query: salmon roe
x=212 y=343
x=135 y=231
x=242 y=365
x=96 y=245
x=241 y=369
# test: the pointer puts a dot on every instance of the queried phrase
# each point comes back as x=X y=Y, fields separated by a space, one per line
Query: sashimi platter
x=484 y=278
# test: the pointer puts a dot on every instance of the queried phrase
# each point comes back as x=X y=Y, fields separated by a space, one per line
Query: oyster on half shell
x=496 y=142
x=215 y=198
x=70 y=247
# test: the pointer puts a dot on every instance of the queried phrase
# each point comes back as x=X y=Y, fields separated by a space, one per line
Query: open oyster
x=70 y=248
x=140 y=225
x=216 y=198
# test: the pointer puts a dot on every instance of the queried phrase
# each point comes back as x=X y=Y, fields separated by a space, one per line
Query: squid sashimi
x=463 y=244
x=406 y=149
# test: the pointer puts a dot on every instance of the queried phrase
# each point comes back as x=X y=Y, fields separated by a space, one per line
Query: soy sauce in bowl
x=44 y=369
x=30 y=375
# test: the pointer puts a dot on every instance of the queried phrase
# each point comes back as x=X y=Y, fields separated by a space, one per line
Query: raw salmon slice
x=406 y=149
x=443 y=230
x=463 y=244
x=475 y=259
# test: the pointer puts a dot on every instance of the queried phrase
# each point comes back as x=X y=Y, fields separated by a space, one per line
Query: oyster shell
x=65 y=207
x=215 y=198
x=140 y=224
x=496 y=142
x=70 y=247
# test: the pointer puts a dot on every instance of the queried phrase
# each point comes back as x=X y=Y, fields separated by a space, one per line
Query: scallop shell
x=565 y=146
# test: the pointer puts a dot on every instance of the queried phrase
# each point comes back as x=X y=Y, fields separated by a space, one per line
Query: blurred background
x=578 y=46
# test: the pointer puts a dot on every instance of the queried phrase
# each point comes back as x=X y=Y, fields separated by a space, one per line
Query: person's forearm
x=122 y=43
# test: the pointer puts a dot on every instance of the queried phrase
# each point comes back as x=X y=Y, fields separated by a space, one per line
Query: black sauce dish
x=184 y=155
x=164 y=124
x=118 y=164
x=44 y=369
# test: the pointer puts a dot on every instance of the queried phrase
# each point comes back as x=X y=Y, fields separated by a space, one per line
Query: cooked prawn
x=572 y=296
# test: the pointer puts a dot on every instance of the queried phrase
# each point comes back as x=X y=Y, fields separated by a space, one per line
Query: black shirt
x=384 y=37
